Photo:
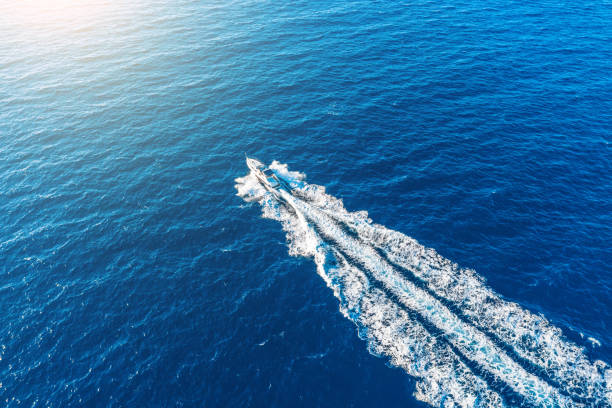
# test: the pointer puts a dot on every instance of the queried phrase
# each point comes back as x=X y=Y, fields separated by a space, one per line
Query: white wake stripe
x=444 y=379
x=391 y=332
x=531 y=337
x=466 y=338
x=388 y=327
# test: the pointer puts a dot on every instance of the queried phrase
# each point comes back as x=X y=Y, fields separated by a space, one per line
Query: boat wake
x=466 y=346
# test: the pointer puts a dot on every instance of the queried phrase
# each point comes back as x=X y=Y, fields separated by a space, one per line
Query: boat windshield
x=271 y=177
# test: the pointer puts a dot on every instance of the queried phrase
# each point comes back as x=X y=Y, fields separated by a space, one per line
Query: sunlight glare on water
x=50 y=13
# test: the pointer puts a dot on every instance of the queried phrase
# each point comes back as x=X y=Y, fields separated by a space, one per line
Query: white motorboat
x=266 y=176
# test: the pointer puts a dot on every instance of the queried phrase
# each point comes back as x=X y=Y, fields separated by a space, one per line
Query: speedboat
x=266 y=176
x=279 y=187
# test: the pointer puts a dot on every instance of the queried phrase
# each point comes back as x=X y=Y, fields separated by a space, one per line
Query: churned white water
x=440 y=323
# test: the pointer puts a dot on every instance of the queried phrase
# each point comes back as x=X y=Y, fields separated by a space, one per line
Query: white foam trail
x=397 y=316
x=530 y=336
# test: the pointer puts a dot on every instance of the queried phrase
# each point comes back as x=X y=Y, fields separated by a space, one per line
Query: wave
x=466 y=346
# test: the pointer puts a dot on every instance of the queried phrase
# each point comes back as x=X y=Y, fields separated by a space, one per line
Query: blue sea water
x=131 y=274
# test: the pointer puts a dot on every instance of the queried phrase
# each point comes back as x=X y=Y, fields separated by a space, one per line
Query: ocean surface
x=141 y=265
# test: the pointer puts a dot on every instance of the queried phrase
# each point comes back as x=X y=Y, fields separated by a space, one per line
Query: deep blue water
x=132 y=275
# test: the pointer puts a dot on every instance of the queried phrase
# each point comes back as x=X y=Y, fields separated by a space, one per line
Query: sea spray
x=440 y=323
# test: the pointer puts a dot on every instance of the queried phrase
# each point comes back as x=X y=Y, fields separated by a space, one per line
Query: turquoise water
x=131 y=274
